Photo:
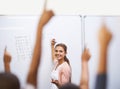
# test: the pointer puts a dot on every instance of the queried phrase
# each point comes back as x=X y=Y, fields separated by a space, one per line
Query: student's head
x=69 y=86
x=9 y=81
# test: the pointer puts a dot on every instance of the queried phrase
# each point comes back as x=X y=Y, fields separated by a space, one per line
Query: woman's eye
x=56 y=51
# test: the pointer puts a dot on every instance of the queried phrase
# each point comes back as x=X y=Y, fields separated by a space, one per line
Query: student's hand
x=86 y=55
x=46 y=16
x=53 y=42
x=104 y=36
x=7 y=57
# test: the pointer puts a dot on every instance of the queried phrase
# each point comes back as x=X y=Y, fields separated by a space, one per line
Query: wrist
x=104 y=46
x=40 y=26
x=84 y=61
x=52 y=45
x=7 y=63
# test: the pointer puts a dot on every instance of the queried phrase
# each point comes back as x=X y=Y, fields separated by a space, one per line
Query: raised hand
x=53 y=42
x=104 y=36
x=86 y=55
x=46 y=16
x=7 y=56
x=7 y=60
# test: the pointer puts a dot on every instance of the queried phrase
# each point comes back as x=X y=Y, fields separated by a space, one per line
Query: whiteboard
x=18 y=34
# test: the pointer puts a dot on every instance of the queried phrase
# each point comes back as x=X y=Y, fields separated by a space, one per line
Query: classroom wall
x=92 y=26
x=17 y=33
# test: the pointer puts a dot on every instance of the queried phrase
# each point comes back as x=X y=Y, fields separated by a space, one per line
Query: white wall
x=92 y=26
x=60 y=7
x=66 y=29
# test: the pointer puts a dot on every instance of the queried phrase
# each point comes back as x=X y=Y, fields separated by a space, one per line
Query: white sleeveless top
x=54 y=75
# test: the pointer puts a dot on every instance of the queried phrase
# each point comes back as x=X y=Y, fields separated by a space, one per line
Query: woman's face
x=60 y=53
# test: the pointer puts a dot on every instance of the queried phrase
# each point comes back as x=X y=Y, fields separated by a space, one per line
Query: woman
x=61 y=73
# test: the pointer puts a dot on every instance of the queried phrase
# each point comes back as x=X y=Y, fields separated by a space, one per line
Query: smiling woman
x=61 y=73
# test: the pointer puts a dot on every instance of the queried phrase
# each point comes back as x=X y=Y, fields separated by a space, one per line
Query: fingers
x=46 y=16
x=104 y=35
x=53 y=42
x=50 y=13
x=45 y=6
x=7 y=56
x=86 y=55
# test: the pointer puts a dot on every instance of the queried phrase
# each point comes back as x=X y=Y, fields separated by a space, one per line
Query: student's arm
x=53 y=49
x=33 y=71
x=7 y=60
x=84 y=82
x=104 y=40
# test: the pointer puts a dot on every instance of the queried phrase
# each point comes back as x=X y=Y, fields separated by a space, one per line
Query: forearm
x=7 y=67
x=32 y=75
x=102 y=66
x=52 y=52
x=84 y=75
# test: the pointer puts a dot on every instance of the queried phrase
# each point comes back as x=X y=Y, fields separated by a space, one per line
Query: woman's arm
x=53 y=49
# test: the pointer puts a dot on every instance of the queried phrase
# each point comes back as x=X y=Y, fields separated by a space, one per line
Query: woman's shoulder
x=65 y=68
x=65 y=65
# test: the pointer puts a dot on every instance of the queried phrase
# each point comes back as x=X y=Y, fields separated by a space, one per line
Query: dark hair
x=65 y=49
x=9 y=81
x=69 y=86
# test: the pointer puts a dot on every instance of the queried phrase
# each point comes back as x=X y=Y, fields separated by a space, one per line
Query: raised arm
x=53 y=49
x=7 y=60
x=33 y=71
x=84 y=82
x=104 y=40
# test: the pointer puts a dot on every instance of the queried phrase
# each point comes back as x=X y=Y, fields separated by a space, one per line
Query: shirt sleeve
x=65 y=74
x=101 y=81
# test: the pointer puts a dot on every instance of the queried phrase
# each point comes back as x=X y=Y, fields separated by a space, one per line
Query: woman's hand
x=53 y=42
x=56 y=82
